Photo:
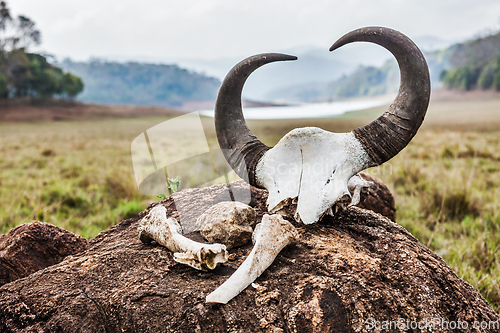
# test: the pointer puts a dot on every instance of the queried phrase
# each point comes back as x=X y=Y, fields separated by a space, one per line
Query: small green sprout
x=172 y=186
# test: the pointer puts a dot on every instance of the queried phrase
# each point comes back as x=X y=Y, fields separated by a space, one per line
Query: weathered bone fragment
x=272 y=235
x=309 y=169
x=168 y=232
x=358 y=188
x=229 y=222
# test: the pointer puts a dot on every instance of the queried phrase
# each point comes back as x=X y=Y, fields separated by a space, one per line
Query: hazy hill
x=367 y=80
x=364 y=81
x=135 y=83
x=316 y=66
x=475 y=64
x=355 y=70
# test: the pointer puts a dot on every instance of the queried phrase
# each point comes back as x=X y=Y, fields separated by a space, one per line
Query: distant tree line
x=364 y=81
x=108 y=82
x=24 y=74
x=476 y=65
x=367 y=81
x=471 y=77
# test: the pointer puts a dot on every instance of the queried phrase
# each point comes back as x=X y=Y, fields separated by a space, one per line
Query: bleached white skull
x=309 y=167
x=311 y=170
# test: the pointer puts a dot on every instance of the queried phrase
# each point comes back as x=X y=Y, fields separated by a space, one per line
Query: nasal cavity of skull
x=331 y=177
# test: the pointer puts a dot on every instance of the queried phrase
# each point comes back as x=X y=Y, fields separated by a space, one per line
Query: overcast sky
x=165 y=29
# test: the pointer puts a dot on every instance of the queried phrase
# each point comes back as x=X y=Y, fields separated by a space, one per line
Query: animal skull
x=309 y=167
x=311 y=170
x=314 y=166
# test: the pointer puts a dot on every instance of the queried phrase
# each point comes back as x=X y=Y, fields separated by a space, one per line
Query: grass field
x=79 y=175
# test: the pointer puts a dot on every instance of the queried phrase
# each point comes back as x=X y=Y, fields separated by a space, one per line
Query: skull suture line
x=312 y=169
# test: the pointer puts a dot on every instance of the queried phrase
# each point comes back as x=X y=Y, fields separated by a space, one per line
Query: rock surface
x=341 y=273
x=32 y=246
x=229 y=222
x=379 y=198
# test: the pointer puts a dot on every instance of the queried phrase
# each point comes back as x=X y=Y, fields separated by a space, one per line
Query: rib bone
x=168 y=233
x=272 y=235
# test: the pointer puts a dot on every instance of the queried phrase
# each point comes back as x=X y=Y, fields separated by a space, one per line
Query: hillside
x=364 y=81
x=471 y=65
x=475 y=65
x=135 y=83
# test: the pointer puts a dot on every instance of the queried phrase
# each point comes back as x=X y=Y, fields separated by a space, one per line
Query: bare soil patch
x=25 y=111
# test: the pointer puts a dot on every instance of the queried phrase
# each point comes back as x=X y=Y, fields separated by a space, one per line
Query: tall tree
x=16 y=33
x=4 y=15
x=71 y=85
x=29 y=74
x=4 y=20
x=26 y=33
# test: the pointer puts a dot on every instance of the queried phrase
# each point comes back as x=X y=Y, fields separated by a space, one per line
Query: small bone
x=168 y=233
x=272 y=235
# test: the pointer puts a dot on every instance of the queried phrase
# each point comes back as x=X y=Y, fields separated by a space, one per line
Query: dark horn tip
x=355 y=35
x=290 y=57
x=336 y=45
x=277 y=56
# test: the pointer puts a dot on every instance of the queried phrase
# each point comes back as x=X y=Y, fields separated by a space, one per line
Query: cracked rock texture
x=32 y=246
x=341 y=272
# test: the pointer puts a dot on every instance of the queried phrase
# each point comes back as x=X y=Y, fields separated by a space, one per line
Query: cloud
x=216 y=28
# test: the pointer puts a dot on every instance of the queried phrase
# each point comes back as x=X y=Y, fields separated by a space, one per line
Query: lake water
x=313 y=110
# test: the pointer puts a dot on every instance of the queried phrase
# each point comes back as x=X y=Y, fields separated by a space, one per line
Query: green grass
x=447 y=190
x=75 y=175
x=79 y=176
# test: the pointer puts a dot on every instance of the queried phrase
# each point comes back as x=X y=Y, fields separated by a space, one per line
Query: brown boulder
x=32 y=246
x=342 y=273
x=379 y=198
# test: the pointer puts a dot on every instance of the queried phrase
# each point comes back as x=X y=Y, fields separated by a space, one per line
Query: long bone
x=312 y=167
x=168 y=233
x=271 y=236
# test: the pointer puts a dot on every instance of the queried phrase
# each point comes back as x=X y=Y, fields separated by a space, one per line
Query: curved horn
x=390 y=133
x=240 y=146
